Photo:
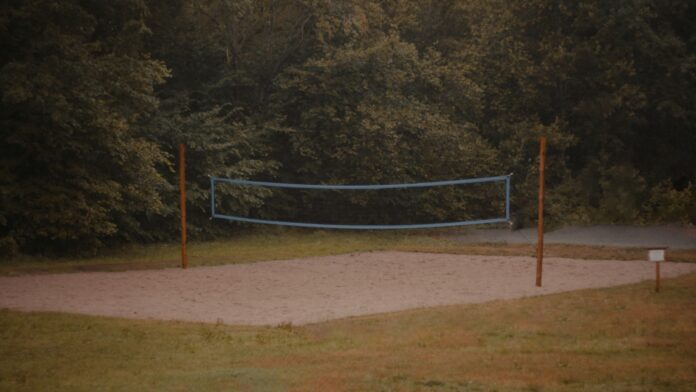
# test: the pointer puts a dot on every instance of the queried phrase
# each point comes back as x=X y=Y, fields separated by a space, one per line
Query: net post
x=182 y=202
x=507 y=197
x=212 y=197
x=540 y=224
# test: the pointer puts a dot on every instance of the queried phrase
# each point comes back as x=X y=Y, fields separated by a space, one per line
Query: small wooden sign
x=656 y=255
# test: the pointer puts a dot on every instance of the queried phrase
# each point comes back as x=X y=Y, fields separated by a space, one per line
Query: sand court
x=315 y=289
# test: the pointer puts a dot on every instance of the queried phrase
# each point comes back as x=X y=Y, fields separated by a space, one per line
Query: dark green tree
x=77 y=169
x=224 y=56
x=610 y=83
x=370 y=108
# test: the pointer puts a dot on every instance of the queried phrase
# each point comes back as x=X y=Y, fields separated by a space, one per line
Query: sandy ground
x=314 y=289
x=671 y=236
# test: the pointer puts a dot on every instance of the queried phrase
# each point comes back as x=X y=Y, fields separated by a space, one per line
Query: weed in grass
x=286 y=326
x=431 y=383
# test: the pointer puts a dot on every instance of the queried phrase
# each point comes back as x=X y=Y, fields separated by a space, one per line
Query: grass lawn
x=623 y=339
x=619 y=339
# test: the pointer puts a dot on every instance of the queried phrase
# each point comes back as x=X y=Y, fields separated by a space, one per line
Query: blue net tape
x=267 y=184
x=358 y=187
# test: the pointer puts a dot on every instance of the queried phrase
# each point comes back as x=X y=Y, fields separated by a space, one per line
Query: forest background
x=96 y=96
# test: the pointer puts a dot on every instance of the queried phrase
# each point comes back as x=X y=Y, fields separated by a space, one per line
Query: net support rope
x=505 y=219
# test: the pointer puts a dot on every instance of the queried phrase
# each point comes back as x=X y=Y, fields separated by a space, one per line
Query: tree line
x=96 y=95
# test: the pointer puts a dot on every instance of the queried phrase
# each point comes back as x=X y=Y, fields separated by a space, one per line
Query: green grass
x=624 y=339
x=620 y=339
x=287 y=244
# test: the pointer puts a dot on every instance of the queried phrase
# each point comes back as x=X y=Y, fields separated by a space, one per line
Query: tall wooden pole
x=540 y=225
x=182 y=202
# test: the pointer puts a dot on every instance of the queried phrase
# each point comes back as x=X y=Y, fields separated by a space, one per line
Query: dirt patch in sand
x=314 y=289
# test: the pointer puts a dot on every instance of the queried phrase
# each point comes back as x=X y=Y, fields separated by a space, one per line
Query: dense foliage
x=97 y=95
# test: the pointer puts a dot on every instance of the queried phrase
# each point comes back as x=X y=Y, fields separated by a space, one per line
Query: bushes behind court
x=96 y=96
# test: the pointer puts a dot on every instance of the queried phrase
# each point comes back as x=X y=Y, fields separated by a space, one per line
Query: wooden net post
x=540 y=224
x=182 y=202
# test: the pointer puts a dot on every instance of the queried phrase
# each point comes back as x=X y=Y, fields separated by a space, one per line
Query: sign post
x=657 y=255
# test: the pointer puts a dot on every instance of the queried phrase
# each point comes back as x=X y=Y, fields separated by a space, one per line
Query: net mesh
x=438 y=204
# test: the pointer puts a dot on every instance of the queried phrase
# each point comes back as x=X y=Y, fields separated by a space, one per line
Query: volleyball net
x=422 y=205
